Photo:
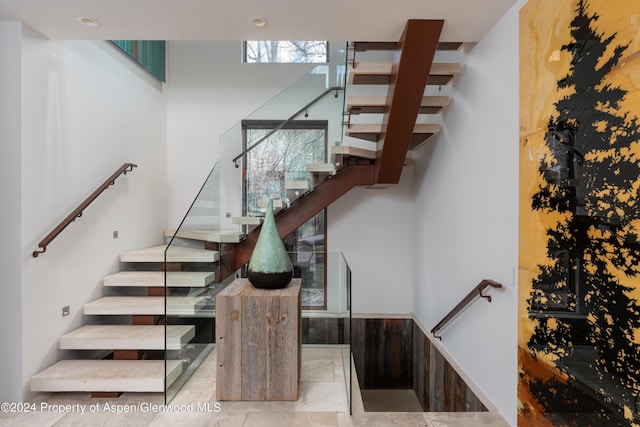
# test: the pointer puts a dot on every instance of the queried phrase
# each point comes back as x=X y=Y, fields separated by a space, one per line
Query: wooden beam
x=307 y=206
x=411 y=65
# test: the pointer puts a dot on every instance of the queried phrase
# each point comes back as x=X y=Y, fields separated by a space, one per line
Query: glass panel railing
x=292 y=130
x=347 y=358
x=198 y=259
x=325 y=323
x=326 y=319
x=192 y=279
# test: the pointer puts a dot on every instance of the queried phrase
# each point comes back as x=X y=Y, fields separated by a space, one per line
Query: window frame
x=300 y=125
x=245 y=61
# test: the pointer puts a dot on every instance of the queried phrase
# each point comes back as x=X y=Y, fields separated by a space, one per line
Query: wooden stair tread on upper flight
x=347 y=150
x=441 y=73
x=377 y=104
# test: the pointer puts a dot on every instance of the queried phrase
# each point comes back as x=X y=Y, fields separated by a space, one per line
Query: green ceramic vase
x=269 y=266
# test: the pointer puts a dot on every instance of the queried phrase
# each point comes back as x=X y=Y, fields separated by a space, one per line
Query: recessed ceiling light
x=89 y=22
x=258 y=22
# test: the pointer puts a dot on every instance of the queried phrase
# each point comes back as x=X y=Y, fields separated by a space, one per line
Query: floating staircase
x=381 y=125
x=365 y=73
x=129 y=346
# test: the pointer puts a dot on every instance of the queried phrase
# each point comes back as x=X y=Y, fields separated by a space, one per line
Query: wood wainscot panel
x=383 y=353
x=396 y=354
x=258 y=342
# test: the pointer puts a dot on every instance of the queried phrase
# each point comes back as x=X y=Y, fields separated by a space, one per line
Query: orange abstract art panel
x=579 y=279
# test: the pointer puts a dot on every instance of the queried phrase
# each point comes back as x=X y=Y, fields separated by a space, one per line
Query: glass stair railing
x=273 y=145
x=281 y=151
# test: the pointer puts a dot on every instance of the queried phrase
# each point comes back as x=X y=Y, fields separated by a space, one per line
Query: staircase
x=201 y=256
x=135 y=351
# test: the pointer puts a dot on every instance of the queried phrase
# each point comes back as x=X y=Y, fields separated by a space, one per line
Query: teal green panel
x=150 y=54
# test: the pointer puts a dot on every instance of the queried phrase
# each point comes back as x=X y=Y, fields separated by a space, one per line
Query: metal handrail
x=77 y=212
x=475 y=292
x=286 y=122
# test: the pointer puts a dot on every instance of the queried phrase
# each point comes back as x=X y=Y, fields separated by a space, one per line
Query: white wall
x=373 y=228
x=86 y=111
x=10 y=243
x=466 y=216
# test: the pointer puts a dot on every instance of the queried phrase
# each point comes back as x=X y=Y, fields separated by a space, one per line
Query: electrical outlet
x=65 y=311
x=228 y=214
x=115 y=234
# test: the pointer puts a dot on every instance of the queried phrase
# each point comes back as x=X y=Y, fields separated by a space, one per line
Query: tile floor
x=322 y=403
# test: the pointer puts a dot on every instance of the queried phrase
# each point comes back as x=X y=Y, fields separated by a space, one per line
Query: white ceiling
x=355 y=20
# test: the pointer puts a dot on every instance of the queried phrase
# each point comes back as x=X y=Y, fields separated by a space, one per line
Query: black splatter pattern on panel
x=584 y=317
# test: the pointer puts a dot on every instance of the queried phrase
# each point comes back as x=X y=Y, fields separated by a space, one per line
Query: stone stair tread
x=144 y=305
x=347 y=150
x=201 y=220
x=365 y=46
x=296 y=185
x=175 y=254
x=247 y=220
x=127 y=337
x=175 y=279
x=263 y=203
x=106 y=376
x=216 y=236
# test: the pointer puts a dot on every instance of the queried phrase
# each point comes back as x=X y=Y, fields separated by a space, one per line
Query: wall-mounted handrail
x=286 y=122
x=77 y=212
x=475 y=292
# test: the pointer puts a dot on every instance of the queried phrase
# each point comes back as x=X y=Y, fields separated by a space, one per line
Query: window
x=286 y=51
x=277 y=168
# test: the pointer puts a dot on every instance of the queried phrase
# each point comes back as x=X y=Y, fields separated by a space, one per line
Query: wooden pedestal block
x=258 y=342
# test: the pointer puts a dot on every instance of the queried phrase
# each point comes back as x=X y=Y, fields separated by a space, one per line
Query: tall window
x=286 y=51
x=280 y=158
x=276 y=168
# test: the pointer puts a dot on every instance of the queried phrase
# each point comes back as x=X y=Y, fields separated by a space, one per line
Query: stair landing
x=106 y=375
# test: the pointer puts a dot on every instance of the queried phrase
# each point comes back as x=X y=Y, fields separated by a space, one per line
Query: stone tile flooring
x=322 y=402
